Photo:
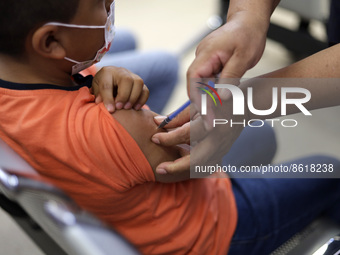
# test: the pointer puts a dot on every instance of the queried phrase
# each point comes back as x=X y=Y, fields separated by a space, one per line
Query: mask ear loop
x=82 y=26
x=73 y=25
x=72 y=60
x=110 y=17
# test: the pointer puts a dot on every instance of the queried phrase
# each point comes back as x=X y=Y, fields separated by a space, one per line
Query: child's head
x=20 y=17
x=49 y=34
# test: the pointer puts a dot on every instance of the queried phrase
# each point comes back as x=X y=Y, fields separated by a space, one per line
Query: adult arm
x=230 y=50
x=325 y=64
x=319 y=74
x=318 y=71
x=236 y=46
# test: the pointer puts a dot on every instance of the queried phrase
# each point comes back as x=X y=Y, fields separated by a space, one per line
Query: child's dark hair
x=19 y=17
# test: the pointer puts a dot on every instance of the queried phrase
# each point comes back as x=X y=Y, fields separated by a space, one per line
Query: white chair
x=300 y=41
x=49 y=217
x=59 y=227
x=308 y=9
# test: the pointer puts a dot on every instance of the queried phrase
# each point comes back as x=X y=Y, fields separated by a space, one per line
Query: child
x=105 y=163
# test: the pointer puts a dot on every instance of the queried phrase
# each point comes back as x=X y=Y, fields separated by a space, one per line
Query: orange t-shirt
x=82 y=149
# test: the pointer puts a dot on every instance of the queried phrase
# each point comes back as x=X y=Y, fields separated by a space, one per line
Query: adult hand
x=232 y=49
x=229 y=51
x=208 y=143
x=178 y=133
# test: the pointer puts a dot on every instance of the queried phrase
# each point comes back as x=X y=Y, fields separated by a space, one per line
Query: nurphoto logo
x=278 y=95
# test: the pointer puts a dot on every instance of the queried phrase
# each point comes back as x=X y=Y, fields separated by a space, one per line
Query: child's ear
x=45 y=42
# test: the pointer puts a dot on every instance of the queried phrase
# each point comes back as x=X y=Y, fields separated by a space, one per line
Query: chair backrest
x=321 y=237
x=308 y=9
x=74 y=230
x=11 y=160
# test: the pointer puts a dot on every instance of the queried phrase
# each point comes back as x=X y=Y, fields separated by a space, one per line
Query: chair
x=300 y=42
x=49 y=217
x=321 y=237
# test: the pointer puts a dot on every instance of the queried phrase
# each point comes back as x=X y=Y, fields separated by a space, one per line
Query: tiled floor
x=171 y=25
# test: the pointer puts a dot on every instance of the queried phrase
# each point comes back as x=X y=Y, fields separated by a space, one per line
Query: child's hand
x=118 y=88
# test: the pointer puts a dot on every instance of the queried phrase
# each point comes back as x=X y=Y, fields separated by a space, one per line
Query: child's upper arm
x=141 y=127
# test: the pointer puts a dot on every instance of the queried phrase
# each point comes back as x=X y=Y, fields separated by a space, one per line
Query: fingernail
x=155 y=140
x=109 y=107
x=159 y=117
x=161 y=171
x=119 y=105
x=127 y=106
x=138 y=106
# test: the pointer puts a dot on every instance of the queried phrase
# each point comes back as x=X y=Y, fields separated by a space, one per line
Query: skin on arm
x=179 y=135
x=141 y=126
x=324 y=64
x=229 y=51
x=317 y=72
x=236 y=46
x=325 y=93
x=119 y=88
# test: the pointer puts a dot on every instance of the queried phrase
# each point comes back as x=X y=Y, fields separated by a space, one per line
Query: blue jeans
x=255 y=146
x=158 y=68
x=270 y=211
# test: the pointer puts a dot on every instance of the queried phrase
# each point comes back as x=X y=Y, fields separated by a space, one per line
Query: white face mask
x=109 y=35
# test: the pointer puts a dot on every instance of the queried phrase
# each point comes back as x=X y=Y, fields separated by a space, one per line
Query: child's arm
x=141 y=126
x=118 y=88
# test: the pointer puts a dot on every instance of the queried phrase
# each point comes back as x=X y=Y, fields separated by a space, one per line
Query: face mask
x=109 y=35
